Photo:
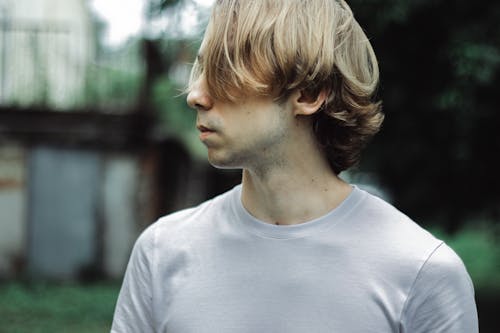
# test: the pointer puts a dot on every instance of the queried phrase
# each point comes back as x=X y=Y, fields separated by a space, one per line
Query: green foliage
x=476 y=61
x=440 y=73
x=168 y=63
x=170 y=102
x=111 y=89
x=41 y=308
x=177 y=119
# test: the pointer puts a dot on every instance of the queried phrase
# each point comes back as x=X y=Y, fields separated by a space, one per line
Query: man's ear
x=306 y=104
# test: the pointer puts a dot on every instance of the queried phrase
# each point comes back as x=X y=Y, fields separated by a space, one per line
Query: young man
x=283 y=89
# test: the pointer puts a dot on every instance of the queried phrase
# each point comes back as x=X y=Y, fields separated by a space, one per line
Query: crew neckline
x=304 y=229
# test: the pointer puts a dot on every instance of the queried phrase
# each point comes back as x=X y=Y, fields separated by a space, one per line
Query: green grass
x=40 y=308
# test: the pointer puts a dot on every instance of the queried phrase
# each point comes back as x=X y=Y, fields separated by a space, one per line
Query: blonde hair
x=273 y=47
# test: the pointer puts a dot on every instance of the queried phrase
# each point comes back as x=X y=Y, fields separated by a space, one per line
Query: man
x=283 y=89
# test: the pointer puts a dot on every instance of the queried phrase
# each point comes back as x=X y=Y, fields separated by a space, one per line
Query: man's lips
x=204 y=131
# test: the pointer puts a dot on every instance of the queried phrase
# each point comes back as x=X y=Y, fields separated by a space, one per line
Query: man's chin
x=223 y=162
x=226 y=166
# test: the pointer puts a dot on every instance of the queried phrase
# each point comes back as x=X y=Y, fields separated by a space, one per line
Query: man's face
x=249 y=133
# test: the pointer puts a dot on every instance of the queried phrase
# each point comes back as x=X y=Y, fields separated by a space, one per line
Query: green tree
x=440 y=66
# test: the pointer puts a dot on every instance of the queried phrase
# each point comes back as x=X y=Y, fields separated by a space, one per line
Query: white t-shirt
x=363 y=267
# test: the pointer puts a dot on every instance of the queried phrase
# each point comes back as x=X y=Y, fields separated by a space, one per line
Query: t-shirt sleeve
x=442 y=297
x=133 y=312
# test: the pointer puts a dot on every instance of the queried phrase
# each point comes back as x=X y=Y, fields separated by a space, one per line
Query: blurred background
x=96 y=141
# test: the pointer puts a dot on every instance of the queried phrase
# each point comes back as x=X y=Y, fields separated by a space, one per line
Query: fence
x=57 y=65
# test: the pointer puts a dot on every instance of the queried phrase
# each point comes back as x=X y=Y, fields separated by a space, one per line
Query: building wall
x=63 y=220
x=120 y=185
x=65 y=212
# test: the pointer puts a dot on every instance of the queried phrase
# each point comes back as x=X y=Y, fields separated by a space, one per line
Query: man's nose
x=198 y=97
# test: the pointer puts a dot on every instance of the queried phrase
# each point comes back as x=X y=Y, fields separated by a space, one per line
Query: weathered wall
x=12 y=208
x=68 y=212
x=63 y=210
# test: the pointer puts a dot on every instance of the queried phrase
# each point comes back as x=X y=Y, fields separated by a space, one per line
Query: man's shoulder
x=383 y=224
x=392 y=242
x=195 y=217
x=385 y=216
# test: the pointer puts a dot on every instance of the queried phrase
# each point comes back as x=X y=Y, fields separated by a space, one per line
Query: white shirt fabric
x=364 y=267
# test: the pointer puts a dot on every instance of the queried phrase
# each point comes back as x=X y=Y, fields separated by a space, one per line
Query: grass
x=55 y=308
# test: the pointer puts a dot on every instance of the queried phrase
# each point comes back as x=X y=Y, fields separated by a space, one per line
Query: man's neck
x=292 y=194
